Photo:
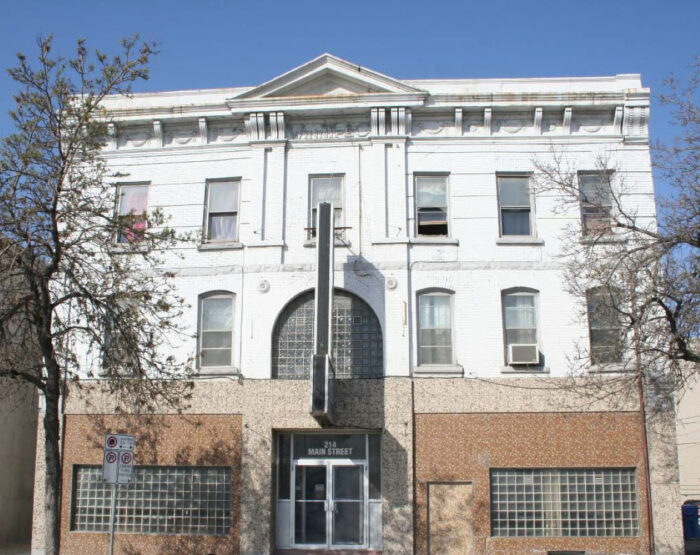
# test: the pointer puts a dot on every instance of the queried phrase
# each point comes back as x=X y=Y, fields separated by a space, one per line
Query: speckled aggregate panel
x=464 y=447
x=193 y=439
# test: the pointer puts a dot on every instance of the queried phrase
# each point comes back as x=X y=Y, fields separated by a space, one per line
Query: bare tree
x=82 y=288
x=638 y=280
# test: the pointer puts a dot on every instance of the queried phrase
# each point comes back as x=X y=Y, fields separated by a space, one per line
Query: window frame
x=619 y=353
x=311 y=228
x=435 y=292
x=605 y=230
x=416 y=207
x=218 y=294
x=119 y=217
x=207 y=211
x=531 y=207
x=522 y=292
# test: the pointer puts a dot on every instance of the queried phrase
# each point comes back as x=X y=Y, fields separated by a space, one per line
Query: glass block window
x=357 y=338
x=160 y=500
x=564 y=502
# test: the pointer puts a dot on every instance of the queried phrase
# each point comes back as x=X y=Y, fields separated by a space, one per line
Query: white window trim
x=452 y=366
x=230 y=369
x=416 y=176
x=340 y=236
x=221 y=243
x=117 y=208
x=518 y=239
x=523 y=291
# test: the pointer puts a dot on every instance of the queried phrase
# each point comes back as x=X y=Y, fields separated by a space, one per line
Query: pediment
x=329 y=76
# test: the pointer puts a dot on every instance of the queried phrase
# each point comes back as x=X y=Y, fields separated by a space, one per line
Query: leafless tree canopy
x=647 y=271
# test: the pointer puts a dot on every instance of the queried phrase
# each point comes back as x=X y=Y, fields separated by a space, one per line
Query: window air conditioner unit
x=520 y=353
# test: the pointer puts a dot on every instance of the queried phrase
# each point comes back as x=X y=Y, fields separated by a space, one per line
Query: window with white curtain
x=431 y=205
x=132 y=205
x=325 y=189
x=596 y=202
x=435 y=328
x=515 y=205
x=222 y=210
x=520 y=317
x=216 y=330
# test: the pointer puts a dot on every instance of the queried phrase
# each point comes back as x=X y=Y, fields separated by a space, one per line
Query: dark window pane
x=515 y=222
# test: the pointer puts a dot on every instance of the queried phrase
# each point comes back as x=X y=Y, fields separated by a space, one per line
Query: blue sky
x=207 y=43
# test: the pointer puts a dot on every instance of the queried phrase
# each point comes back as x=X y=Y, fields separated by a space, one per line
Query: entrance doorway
x=330 y=503
x=328 y=491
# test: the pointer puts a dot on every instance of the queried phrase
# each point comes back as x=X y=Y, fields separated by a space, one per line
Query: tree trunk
x=52 y=478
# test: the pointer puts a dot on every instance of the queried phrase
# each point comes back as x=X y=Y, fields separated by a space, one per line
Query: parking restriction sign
x=118 y=461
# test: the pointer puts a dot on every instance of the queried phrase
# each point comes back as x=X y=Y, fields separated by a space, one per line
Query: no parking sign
x=118 y=461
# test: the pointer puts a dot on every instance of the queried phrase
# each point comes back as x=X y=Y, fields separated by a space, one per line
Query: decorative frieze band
x=629 y=121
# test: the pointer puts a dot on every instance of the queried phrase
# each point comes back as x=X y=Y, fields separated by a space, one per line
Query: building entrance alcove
x=328 y=491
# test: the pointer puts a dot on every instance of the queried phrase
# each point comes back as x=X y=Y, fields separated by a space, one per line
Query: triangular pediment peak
x=328 y=75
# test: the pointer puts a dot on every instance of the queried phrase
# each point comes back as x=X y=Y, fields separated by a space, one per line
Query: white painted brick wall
x=476 y=270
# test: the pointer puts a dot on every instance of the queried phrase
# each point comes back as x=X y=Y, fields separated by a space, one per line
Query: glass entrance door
x=330 y=504
x=311 y=505
x=348 y=504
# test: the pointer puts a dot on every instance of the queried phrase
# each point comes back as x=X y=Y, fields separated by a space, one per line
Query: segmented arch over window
x=357 y=338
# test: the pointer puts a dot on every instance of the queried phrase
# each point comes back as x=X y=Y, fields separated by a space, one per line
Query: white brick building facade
x=377 y=135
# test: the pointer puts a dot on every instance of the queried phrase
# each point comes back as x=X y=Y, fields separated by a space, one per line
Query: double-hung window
x=325 y=189
x=515 y=206
x=132 y=206
x=596 y=202
x=604 y=326
x=431 y=205
x=222 y=210
x=435 y=328
x=216 y=330
x=520 y=326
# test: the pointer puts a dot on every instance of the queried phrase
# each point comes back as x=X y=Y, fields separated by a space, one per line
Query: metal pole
x=111 y=519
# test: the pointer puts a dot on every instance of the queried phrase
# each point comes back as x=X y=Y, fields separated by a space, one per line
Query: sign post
x=117 y=468
x=322 y=373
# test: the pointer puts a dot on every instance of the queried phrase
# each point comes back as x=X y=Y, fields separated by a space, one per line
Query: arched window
x=215 y=330
x=520 y=326
x=435 y=327
x=357 y=338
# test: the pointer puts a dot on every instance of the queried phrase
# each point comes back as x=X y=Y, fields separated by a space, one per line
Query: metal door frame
x=328 y=503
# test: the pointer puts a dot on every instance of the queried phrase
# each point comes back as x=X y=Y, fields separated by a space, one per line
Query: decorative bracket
x=537 y=124
x=487 y=121
x=203 y=135
x=617 y=122
x=158 y=132
x=400 y=121
x=567 y=121
x=378 y=121
x=112 y=133
x=458 y=121
x=277 y=131
x=255 y=126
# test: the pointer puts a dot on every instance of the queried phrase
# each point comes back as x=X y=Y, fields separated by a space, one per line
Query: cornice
x=326 y=103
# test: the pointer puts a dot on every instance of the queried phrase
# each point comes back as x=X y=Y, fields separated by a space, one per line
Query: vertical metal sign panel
x=322 y=375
